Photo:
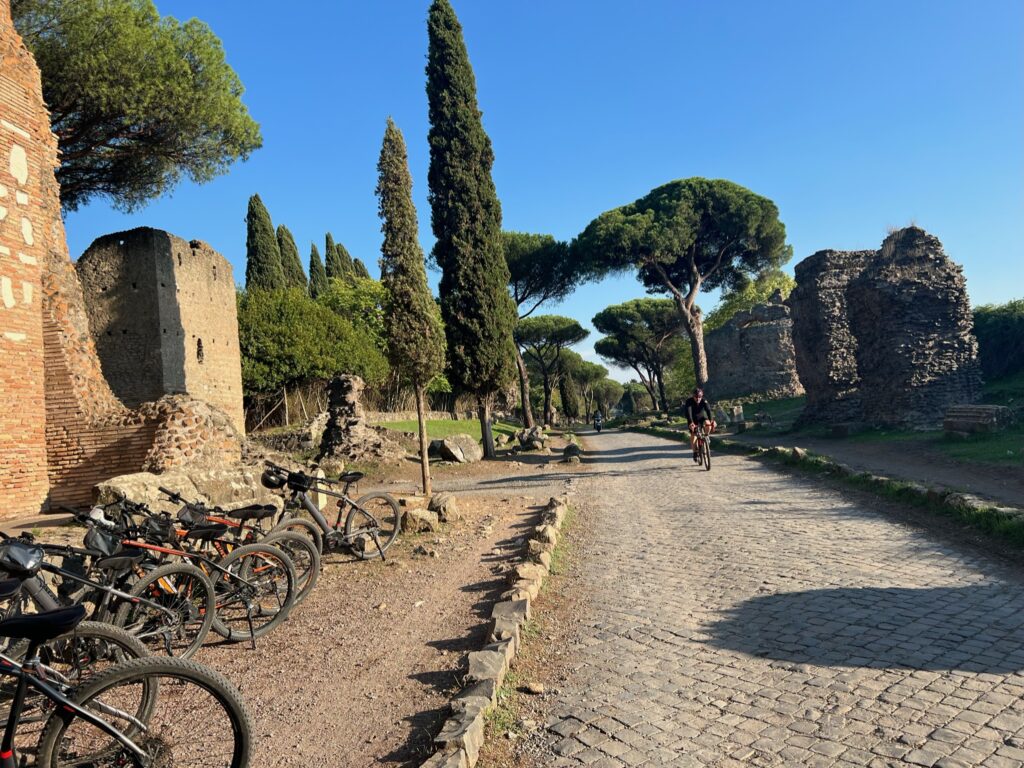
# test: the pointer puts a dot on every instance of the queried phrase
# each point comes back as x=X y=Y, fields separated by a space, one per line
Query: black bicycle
x=703 y=445
x=149 y=712
x=371 y=522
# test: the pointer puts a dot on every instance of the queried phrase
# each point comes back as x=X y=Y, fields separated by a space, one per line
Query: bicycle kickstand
x=376 y=540
x=252 y=630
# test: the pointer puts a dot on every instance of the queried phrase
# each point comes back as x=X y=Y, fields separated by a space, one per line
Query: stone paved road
x=745 y=617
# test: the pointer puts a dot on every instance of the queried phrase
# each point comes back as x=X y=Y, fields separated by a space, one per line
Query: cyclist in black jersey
x=697 y=412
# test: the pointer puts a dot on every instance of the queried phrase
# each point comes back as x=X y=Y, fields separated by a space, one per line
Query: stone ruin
x=752 y=354
x=62 y=429
x=885 y=337
x=164 y=319
x=347 y=435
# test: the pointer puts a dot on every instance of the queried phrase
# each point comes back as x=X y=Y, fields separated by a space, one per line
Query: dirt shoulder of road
x=907 y=460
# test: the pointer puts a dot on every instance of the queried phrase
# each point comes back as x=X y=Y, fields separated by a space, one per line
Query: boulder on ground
x=228 y=486
x=461 y=449
x=501 y=440
x=572 y=449
x=420 y=521
x=532 y=439
x=446 y=506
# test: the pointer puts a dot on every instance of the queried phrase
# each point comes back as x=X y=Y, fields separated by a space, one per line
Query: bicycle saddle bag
x=157 y=530
x=20 y=559
x=190 y=516
x=102 y=542
x=120 y=563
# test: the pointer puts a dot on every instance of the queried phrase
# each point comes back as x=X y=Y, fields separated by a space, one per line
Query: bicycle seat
x=252 y=512
x=119 y=562
x=9 y=588
x=206 y=531
x=351 y=477
x=44 y=626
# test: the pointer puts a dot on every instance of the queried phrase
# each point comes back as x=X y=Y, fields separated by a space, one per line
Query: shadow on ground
x=977 y=628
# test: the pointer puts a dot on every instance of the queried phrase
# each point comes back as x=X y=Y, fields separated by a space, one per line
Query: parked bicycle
x=131 y=714
x=371 y=522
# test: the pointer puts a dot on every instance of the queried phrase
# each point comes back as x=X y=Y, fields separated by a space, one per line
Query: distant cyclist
x=598 y=421
x=697 y=412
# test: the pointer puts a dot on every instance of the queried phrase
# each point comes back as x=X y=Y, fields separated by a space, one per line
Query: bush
x=286 y=339
x=999 y=329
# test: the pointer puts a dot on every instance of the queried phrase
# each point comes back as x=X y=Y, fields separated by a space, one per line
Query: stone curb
x=462 y=735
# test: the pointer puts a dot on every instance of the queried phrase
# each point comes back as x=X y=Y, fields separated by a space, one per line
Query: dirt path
x=747 y=616
x=362 y=672
x=910 y=461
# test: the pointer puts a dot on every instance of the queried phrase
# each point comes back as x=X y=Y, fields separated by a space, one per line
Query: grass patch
x=785 y=410
x=502 y=717
x=560 y=552
x=448 y=427
x=1005 y=448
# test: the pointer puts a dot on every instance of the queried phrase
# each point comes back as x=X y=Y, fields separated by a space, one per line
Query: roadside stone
x=454 y=757
x=460 y=449
x=572 y=449
x=547 y=534
x=420 y=521
x=446 y=506
x=487 y=665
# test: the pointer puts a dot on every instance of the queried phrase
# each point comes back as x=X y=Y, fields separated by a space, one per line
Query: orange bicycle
x=702 y=444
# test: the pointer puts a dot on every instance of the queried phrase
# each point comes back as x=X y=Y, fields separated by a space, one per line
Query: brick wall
x=26 y=155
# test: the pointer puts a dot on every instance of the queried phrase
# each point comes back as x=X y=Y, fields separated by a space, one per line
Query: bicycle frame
x=10 y=668
x=320 y=518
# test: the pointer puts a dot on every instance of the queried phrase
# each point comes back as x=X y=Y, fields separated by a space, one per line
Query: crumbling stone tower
x=163 y=315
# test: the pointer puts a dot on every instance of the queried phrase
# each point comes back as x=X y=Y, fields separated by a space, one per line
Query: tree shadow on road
x=978 y=628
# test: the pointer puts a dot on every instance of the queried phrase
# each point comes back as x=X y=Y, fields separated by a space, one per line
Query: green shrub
x=999 y=329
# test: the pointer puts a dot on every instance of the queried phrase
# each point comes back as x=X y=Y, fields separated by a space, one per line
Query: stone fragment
x=420 y=521
x=455 y=757
x=347 y=435
x=446 y=506
x=461 y=449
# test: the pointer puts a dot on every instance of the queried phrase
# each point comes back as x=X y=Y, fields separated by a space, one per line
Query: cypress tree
x=339 y=262
x=359 y=269
x=466 y=218
x=344 y=261
x=291 y=264
x=263 y=269
x=412 y=319
x=317 y=273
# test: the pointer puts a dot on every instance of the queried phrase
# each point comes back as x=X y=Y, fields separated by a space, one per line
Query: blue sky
x=852 y=116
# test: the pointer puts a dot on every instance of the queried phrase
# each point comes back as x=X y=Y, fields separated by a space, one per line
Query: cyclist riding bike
x=697 y=413
x=598 y=421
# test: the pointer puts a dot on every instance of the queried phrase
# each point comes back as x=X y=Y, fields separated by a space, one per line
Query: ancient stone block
x=752 y=354
x=916 y=351
x=162 y=312
x=347 y=436
x=825 y=347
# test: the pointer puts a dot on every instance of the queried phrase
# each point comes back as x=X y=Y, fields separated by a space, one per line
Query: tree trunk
x=648 y=386
x=421 y=416
x=547 y=400
x=661 y=390
x=695 y=329
x=524 y=389
x=485 y=428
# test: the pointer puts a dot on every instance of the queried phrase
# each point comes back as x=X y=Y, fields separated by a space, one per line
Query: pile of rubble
x=347 y=436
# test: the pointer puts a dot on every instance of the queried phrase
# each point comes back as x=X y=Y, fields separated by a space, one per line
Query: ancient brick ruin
x=62 y=429
x=884 y=337
x=163 y=315
x=752 y=354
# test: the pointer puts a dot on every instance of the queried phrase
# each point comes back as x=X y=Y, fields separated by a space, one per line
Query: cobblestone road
x=744 y=617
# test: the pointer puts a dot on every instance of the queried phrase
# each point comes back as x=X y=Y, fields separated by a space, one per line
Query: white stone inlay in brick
x=3 y=191
x=6 y=292
x=14 y=336
x=26 y=292
x=24 y=258
x=4 y=250
x=21 y=197
x=26 y=231
x=19 y=164
x=15 y=129
x=3 y=213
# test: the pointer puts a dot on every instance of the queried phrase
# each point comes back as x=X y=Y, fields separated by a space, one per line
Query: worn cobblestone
x=747 y=617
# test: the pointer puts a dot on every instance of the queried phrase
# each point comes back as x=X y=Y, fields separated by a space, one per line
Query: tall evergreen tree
x=339 y=262
x=317 y=273
x=262 y=256
x=291 y=264
x=412 y=319
x=359 y=269
x=466 y=218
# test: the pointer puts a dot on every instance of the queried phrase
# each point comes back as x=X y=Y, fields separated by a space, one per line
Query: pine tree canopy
x=416 y=342
x=291 y=263
x=263 y=269
x=466 y=216
x=317 y=273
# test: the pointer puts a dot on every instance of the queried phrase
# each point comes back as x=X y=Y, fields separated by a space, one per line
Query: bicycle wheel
x=256 y=593
x=305 y=527
x=304 y=556
x=196 y=717
x=184 y=590
x=68 y=661
x=375 y=512
x=706 y=453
